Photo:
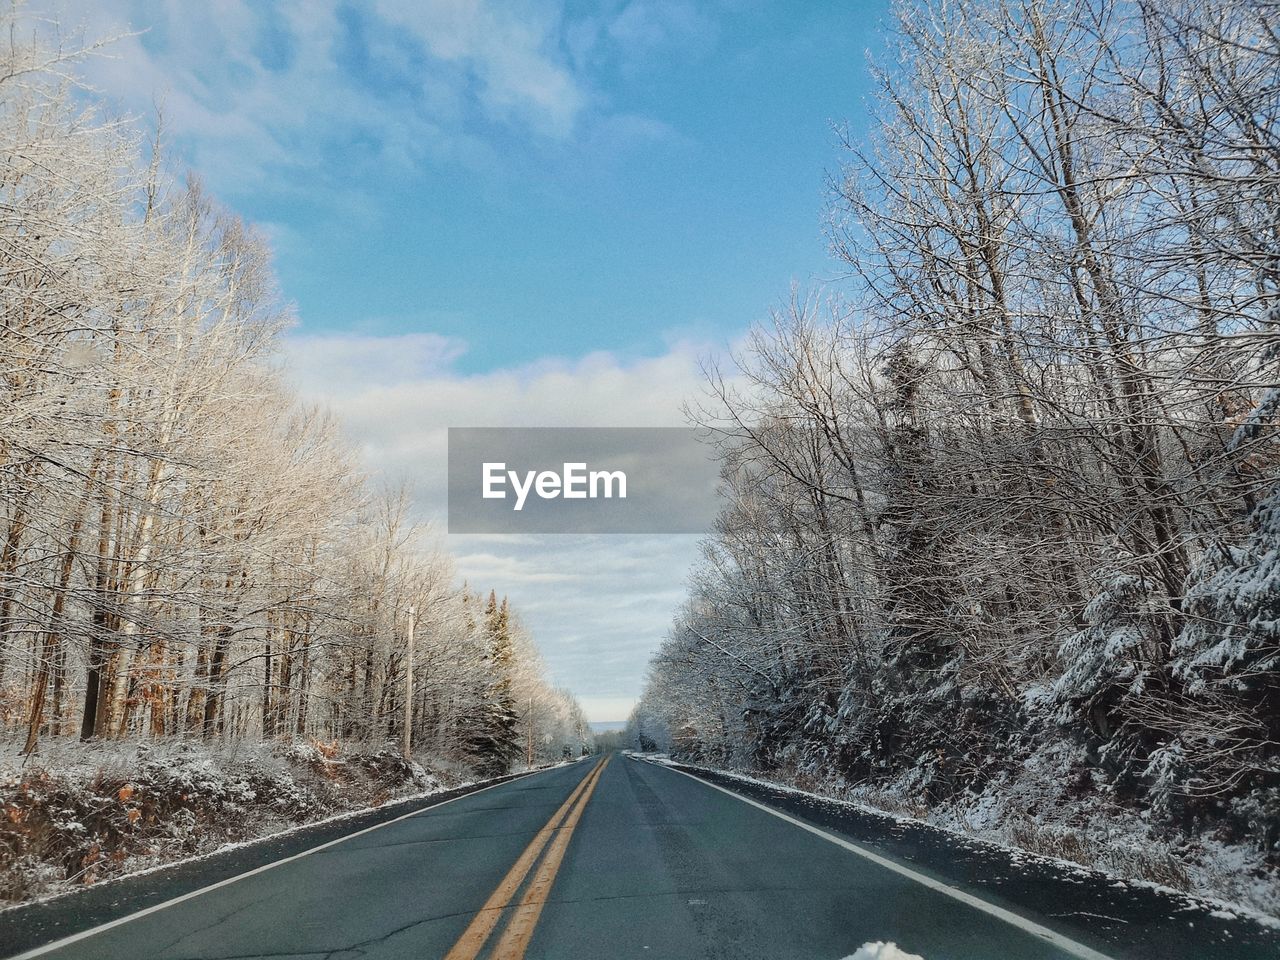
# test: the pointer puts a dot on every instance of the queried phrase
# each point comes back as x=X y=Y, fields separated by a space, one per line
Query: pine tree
x=495 y=739
x=1110 y=659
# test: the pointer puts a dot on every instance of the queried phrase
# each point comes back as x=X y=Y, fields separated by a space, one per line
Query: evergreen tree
x=1110 y=659
x=495 y=740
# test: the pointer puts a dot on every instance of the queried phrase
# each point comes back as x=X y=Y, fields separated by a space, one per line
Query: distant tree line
x=1014 y=483
x=186 y=550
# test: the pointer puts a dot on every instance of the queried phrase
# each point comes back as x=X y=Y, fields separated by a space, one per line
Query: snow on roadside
x=882 y=951
x=84 y=813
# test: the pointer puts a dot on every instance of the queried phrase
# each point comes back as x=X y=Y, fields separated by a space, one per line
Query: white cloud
x=346 y=364
x=607 y=708
x=638 y=35
x=238 y=119
x=509 y=52
x=597 y=606
x=253 y=92
x=486 y=567
x=397 y=396
x=646 y=25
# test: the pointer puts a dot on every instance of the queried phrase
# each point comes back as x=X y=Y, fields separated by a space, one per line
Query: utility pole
x=408 y=687
x=528 y=750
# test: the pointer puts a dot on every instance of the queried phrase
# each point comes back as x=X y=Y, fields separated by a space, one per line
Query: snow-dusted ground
x=882 y=951
x=1223 y=880
x=1033 y=812
x=78 y=814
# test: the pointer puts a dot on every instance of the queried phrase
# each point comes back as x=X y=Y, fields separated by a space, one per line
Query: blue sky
x=514 y=214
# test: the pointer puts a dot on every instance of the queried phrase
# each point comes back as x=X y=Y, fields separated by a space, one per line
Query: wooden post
x=408 y=688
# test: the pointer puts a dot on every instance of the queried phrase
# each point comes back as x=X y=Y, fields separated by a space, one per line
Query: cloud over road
x=596 y=604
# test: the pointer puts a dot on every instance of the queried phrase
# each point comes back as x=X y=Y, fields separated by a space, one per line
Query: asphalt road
x=626 y=859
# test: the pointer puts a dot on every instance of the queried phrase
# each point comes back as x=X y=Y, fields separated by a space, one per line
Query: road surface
x=617 y=858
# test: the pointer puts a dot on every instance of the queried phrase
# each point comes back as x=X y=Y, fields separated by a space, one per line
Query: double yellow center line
x=519 y=930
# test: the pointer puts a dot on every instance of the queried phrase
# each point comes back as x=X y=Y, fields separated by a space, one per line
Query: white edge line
x=120 y=921
x=1008 y=916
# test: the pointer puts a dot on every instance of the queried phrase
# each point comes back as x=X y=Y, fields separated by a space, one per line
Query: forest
x=188 y=553
x=1000 y=536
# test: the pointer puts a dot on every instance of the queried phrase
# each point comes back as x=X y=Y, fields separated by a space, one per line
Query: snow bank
x=882 y=951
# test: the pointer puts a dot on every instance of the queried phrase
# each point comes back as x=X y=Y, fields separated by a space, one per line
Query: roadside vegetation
x=92 y=812
x=193 y=565
x=1000 y=543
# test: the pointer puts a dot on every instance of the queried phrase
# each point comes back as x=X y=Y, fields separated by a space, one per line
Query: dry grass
x=60 y=830
x=1153 y=862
